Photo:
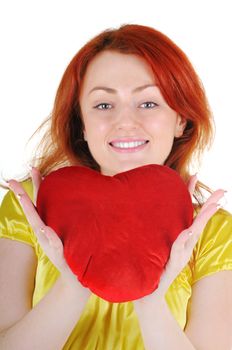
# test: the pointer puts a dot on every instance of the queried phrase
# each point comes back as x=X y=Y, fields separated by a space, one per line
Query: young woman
x=125 y=85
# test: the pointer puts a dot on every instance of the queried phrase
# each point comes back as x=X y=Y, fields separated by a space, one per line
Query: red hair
x=63 y=143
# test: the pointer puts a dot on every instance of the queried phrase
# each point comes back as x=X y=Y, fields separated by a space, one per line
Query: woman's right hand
x=47 y=237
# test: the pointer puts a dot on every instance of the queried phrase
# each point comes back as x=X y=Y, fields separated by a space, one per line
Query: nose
x=126 y=119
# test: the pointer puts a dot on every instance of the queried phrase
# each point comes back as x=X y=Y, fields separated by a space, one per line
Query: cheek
x=102 y=127
x=96 y=125
x=162 y=124
x=160 y=127
x=97 y=134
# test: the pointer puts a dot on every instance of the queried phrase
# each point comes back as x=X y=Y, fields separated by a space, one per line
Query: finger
x=192 y=184
x=36 y=180
x=47 y=237
x=202 y=218
x=183 y=237
x=28 y=208
x=191 y=235
x=214 y=198
x=53 y=238
x=207 y=211
x=57 y=245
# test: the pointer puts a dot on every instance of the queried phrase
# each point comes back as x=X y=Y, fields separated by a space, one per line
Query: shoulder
x=9 y=197
x=10 y=206
x=13 y=222
x=213 y=251
x=218 y=228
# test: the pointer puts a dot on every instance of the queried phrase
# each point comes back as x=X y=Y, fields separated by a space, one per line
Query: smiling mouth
x=125 y=149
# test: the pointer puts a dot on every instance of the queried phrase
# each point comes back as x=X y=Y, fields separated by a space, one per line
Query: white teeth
x=128 y=144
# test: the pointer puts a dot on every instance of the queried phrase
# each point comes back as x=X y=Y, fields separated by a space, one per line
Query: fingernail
x=42 y=229
x=190 y=233
x=4 y=185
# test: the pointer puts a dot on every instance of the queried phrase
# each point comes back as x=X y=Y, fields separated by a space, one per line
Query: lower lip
x=129 y=150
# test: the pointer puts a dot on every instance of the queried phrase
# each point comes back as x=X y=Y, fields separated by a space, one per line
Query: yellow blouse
x=104 y=325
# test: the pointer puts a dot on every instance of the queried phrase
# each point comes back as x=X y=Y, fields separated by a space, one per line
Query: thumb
x=192 y=184
x=36 y=180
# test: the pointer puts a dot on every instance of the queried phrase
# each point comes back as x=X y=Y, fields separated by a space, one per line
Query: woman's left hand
x=183 y=246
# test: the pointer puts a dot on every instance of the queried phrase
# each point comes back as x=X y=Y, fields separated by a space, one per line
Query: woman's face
x=123 y=111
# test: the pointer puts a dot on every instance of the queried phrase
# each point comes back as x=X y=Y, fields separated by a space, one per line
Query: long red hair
x=63 y=143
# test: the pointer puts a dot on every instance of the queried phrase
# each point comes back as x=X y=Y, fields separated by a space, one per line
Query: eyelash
x=100 y=104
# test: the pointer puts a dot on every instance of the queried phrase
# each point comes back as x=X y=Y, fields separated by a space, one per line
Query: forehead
x=110 y=68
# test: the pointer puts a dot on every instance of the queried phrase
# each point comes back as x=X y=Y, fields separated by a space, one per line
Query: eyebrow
x=113 y=91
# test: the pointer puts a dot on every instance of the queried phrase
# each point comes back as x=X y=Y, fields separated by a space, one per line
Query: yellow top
x=105 y=325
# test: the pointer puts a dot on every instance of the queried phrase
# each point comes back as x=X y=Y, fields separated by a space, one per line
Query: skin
x=144 y=114
x=128 y=117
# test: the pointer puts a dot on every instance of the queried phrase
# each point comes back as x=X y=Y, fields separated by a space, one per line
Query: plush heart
x=117 y=231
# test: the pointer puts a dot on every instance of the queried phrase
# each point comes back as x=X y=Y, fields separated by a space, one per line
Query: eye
x=107 y=105
x=149 y=102
x=102 y=104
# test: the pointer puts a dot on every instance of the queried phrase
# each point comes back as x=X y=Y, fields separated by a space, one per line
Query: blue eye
x=107 y=104
x=148 y=102
x=102 y=104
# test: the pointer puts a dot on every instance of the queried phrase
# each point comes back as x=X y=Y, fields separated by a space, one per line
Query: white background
x=39 y=38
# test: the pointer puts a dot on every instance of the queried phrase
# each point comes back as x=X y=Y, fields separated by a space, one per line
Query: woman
x=128 y=83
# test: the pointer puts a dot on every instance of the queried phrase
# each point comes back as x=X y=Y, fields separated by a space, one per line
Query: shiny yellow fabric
x=105 y=325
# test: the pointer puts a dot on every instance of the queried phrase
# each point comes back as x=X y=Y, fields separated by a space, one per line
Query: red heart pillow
x=117 y=230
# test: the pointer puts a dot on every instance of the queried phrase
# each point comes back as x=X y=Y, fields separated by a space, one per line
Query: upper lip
x=128 y=139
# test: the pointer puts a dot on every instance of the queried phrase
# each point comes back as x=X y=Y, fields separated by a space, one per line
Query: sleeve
x=213 y=251
x=13 y=222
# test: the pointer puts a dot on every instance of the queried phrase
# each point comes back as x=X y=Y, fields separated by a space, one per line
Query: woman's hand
x=47 y=238
x=182 y=248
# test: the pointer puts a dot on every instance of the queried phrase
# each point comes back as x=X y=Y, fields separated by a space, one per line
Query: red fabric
x=117 y=231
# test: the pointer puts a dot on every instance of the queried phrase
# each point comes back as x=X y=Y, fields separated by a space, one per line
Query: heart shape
x=117 y=231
